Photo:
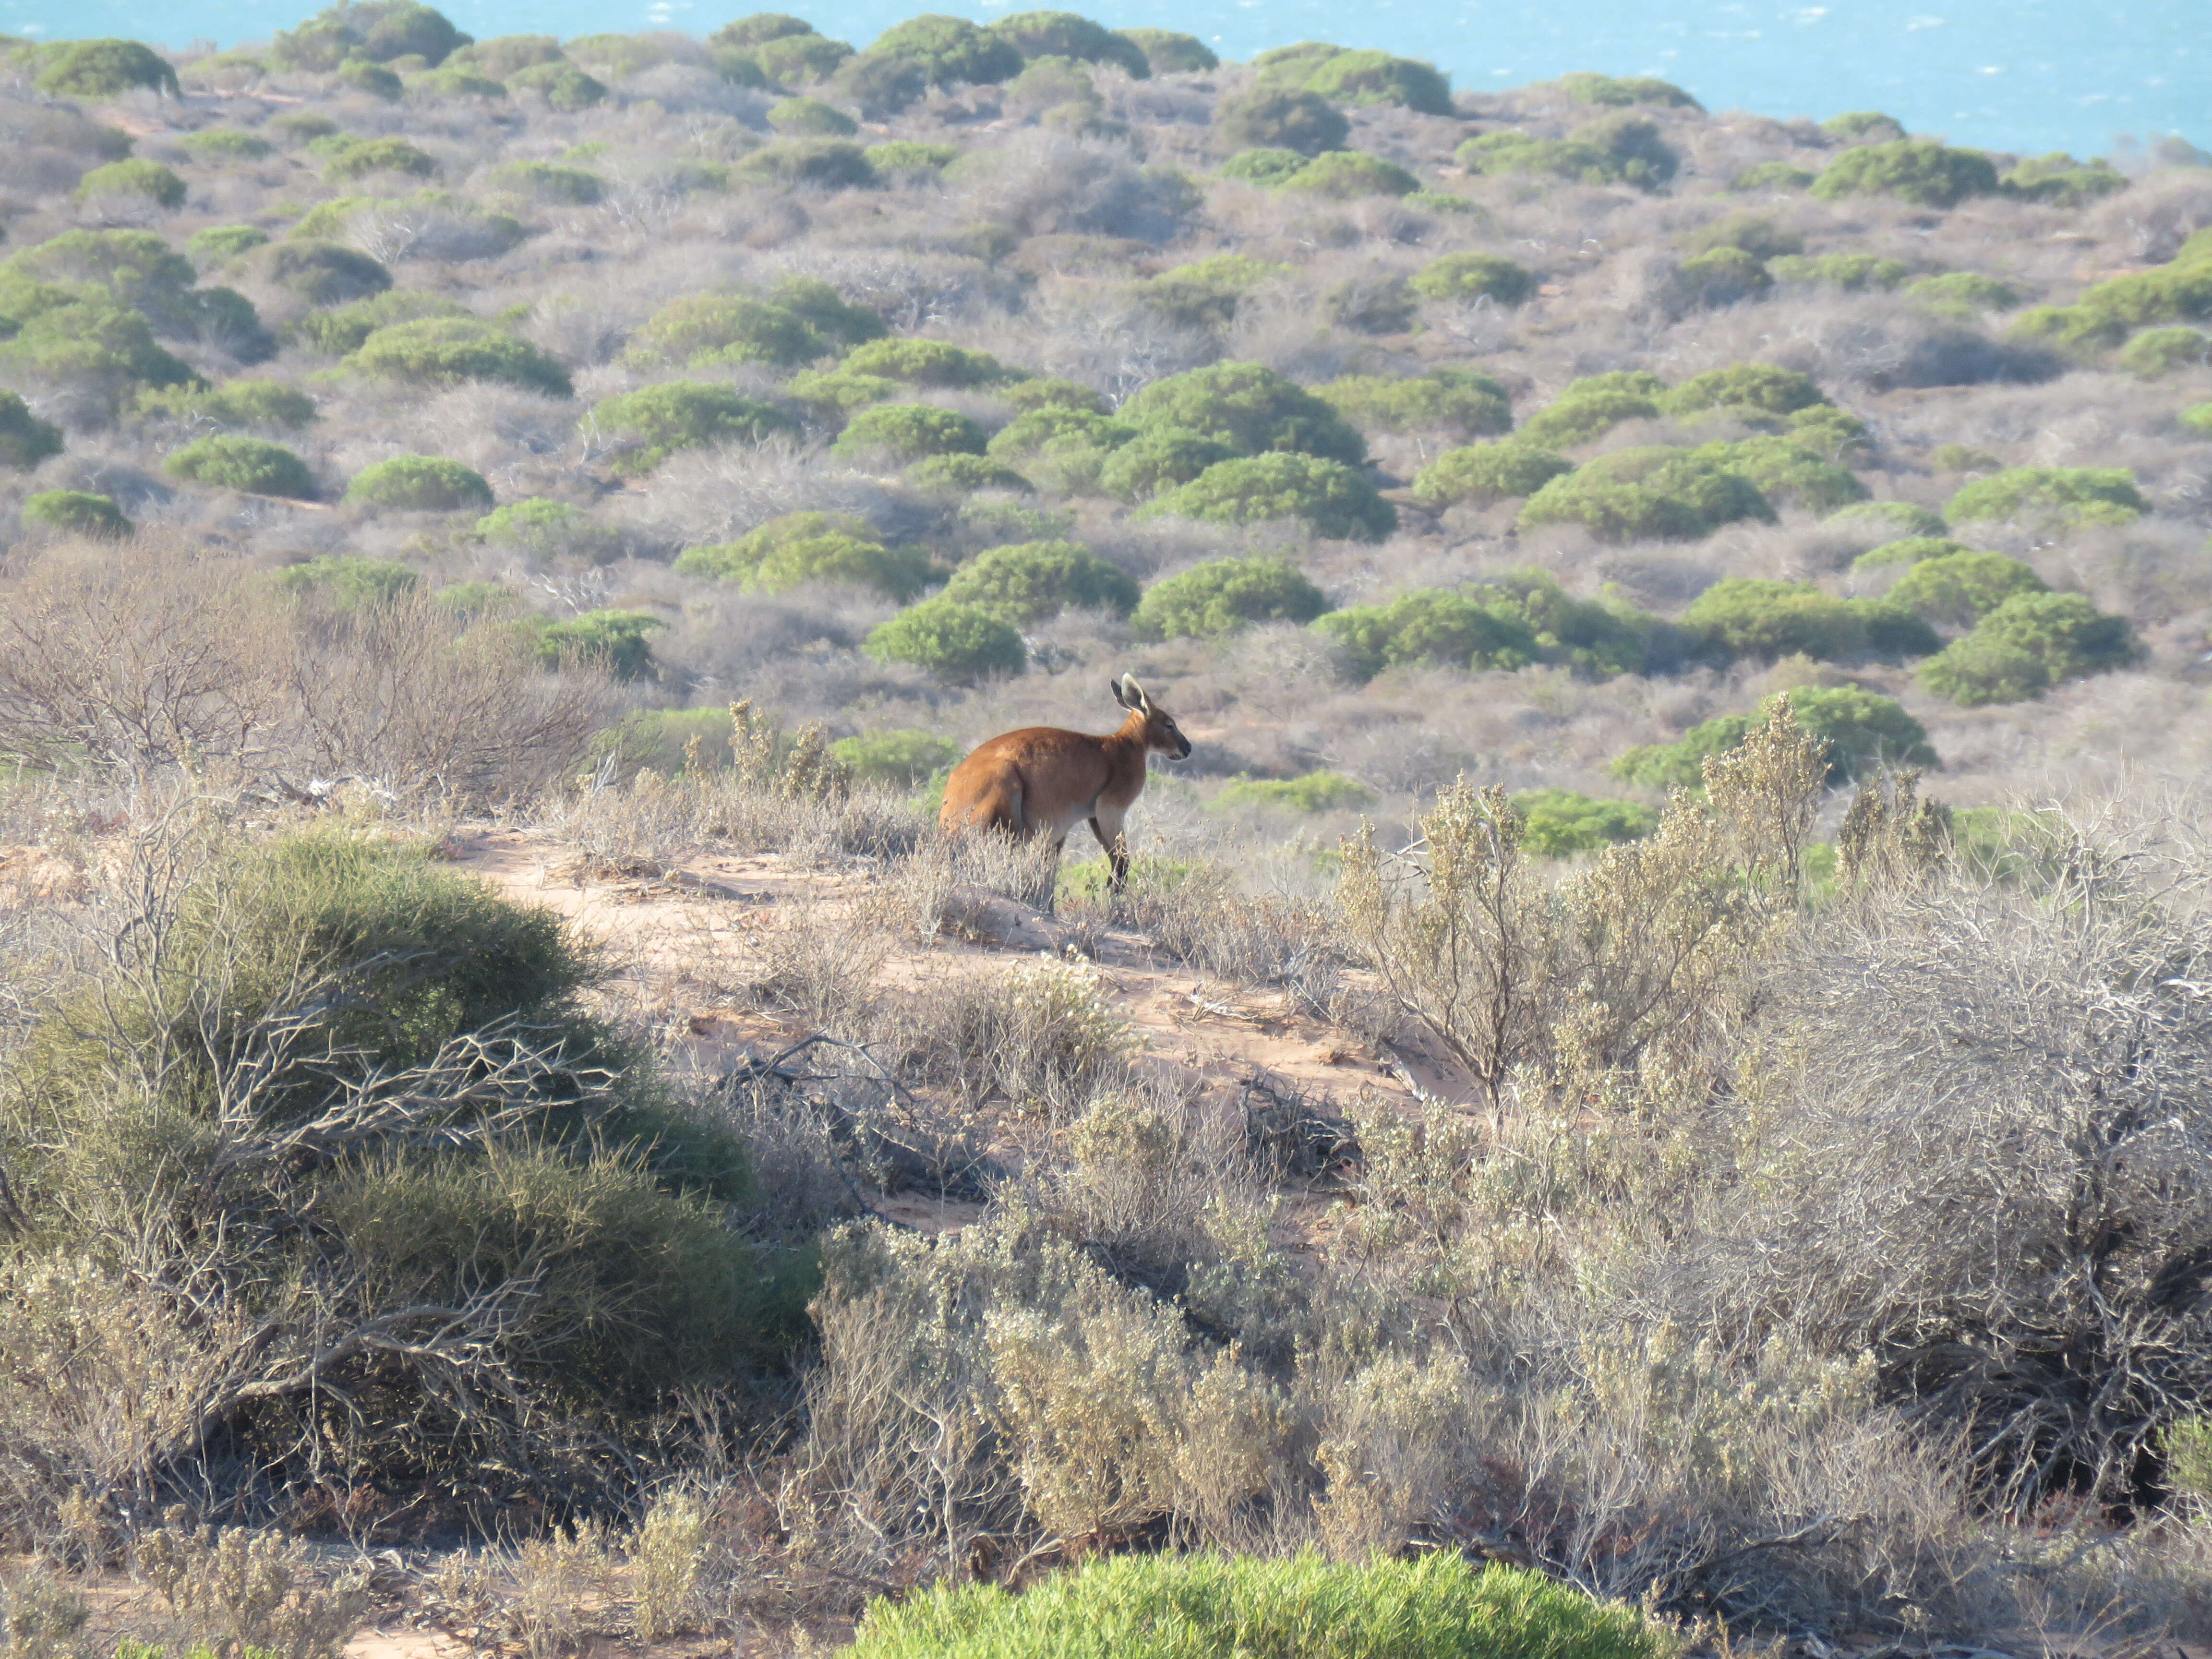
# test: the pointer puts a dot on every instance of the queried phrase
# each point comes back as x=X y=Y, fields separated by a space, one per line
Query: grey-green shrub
x=1344 y=173
x=1222 y=596
x=563 y=86
x=420 y=483
x=1892 y=519
x=1363 y=76
x=908 y=432
x=1916 y=170
x=2063 y=494
x=1335 y=499
x=1959 y=589
x=1963 y=293
x=1032 y=582
x=1429 y=628
x=1863 y=731
x=220 y=244
x=343 y=329
x=1064 y=34
x=1760 y=386
x=1306 y=794
x=2157 y=352
x=318 y=272
x=75 y=513
x=618 y=641
x=1169 y=53
x=448 y=350
x=1268 y=167
x=648 y=426
x=136 y=177
x=547 y=529
x=808 y=547
x=952 y=477
x=1466 y=277
x=961 y=643
x=1561 y=823
x=1786 y=472
x=1158 y=459
x=551 y=185
x=904 y=759
x=1248 y=407
x=2026 y=645
x=356 y=158
x=1302 y=122
x=949 y=49
x=1465 y=402
x=1648 y=494
x=102 y=68
x=1581 y=416
x=1751 y=617
x=25 y=440
x=229 y=461
x=348 y=581
x=1479 y=474
x=1908 y=550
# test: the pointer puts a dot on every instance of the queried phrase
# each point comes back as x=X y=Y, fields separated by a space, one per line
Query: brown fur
x=1043 y=780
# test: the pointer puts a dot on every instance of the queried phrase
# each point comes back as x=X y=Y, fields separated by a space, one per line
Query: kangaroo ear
x=1115 y=687
x=1132 y=694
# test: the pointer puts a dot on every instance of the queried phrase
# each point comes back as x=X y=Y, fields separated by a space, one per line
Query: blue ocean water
x=2025 y=75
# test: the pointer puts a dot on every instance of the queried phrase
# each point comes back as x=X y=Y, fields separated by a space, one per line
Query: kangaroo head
x=1161 y=732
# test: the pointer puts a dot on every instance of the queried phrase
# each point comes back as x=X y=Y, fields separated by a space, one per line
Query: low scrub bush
x=1468 y=278
x=1852 y=273
x=241 y=402
x=318 y=273
x=904 y=760
x=1958 y=589
x=1908 y=550
x=1224 y=595
x=1434 y=626
x=645 y=428
x=1169 y=53
x=1890 y=520
x=954 y=477
x=812 y=547
x=816 y=163
x=1344 y=173
x=618 y=642
x=1182 y=1607
x=1032 y=582
x=1750 y=617
x=1964 y=293
x=1465 y=402
x=1786 y=472
x=1620 y=92
x=2157 y=352
x=2060 y=180
x=1621 y=149
x=2028 y=644
x=1760 y=387
x=566 y=89
x=1332 y=498
x=548 y=529
x=1863 y=733
x=1158 y=459
x=1065 y=34
x=102 y=69
x=448 y=350
x=961 y=643
x=356 y=158
x=908 y=432
x=220 y=244
x=1251 y=409
x=420 y=483
x=136 y=176
x=25 y=440
x=1560 y=823
x=947 y=50
x=1648 y=494
x=1725 y=277
x=1266 y=168
x=347 y=581
x=1303 y=123
x=1306 y=795
x=1347 y=76
x=229 y=461
x=810 y=117
x=550 y=185
x=75 y=513
x=2049 y=495
x=1916 y=170
x=343 y=330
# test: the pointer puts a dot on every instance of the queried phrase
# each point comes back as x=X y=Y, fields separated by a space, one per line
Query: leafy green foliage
x=547 y=529
x=1303 y=123
x=1344 y=173
x=564 y=86
x=1786 y=472
x=373 y=79
x=810 y=117
x=952 y=641
x=219 y=244
x=1770 y=176
x=347 y=581
x=320 y=273
x=102 y=68
x=1908 y=549
x=229 y=461
x=1891 y=519
x=648 y=426
x=908 y=432
x=1172 y=1606
x=1032 y=582
x=503 y=55
x=876 y=370
x=1751 y=617
x=1205 y=293
x=2063 y=494
x=136 y=177
x=2197 y=418
x=1223 y=596
x=1251 y=409
x=1959 y=589
x=420 y=483
x=1468 y=277
x=1965 y=294
x=1760 y=386
x=1584 y=413
x=618 y=641
x=25 y=440
x=1168 y=52
x=356 y=158
x=550 y=185
x=1266 y=168
x=1429 y=628
x=812 y=547
x=817 y=163
x=2061 y=181
x=1918 y=170
x=345 y=329
x=1618 y=149
x=1356 y=77
x=1725 y=277
x=1852 y=273
x=1625 y=91
x=75 y=513
x=1334 y=499
x=910 y=156
x=906 y=759
x=448 y=350
x=1064 y=34
x=951 y=477
x=1862 y=126
x=378 y=31
x=1648 y=494
x=1306 y=795
x=2157 y=352
x=1863 y=731
x=100 y=354
x=2028 y=644
x=949 y=50
x=1158 y=459
x=1560 y=823
x=1479 y=474
x=1465 y=402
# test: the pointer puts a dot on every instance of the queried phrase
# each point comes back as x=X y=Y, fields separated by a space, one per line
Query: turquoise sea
x=2025 y=75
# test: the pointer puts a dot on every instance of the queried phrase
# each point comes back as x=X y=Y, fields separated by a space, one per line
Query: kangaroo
x=1044 y=781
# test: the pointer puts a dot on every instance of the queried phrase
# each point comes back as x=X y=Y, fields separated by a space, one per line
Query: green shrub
x=1894 y=633
x=810 y=117
x=1168 y=52
x=1356 y=77
x=823 y=309
x=904 y=760
x=233 y=404
x=812 y=547
x=1618 y=149
x=1158 y=459
x=910 y=156
x=1598 y=639
x=345 y=329
x=803 y=60
x=1725 y=277
x=1770 y=175
x=1344 y=173
x=1963 y=294
x=377 y=30
x=1316 y=792
x=150 y=180
x=648 y=426
x=1060 y=430
x=1559 y=823
x=2079 y=332
x=2179 y=291
x=1266 y=168
x=758 y=28
x=2064 y=494
x=1334 y=499
x=1863 y=731
x=1854 y=273
x=1890 y=518
x=446 y=350
x=951 y=476
x=25 y=440
x=1680 y=764
x=1750 y=617
x=75 y=513
x=817 y=163
x=102 y=68
x=1468 y=277
x=1786 y=473
x=1064 y=34
x=1959 y=589
x=550 y=186
x=1251 y=409
x=373 y=79
x=1480 y=474
x=1463 y=402
x=615 y=640
x=1032 y=582
x=2028 y=644
x=908 y=432
x=1916 y=170
x=875 y=371
x=503 y=54
x=220 y=244
x=1222 y=596
x=346 y=582
x=706 y=330
x=1863 y=126
x=949 y=50
x=2197 y=418
x=564 y=87
x=547 y=529
x=2061 y=181
x=1581 y=416
x=1205 y=293
x=1170 y=1606
x=1908 y=549
x=1758 y=386
x=229 y=461
x=1303 y=123
x=105 y=355
x=1648 y=494
x=1429 y=628
x=960 y=643
x=2158 y=352
x=1752 y=232
x=1583 y=88
x=359 y=157
x=320 y=273
x=420 y=483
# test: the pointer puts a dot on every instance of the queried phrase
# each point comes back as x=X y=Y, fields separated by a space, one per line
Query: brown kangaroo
x=1044 y=781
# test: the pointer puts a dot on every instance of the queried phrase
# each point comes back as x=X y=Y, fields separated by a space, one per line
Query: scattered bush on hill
x=2028 y=644
x=1303 y=123
x=229 y=461
x=446 y=350
x=643 y=429
x=1916 y=170
x=1222 y=596
x=420 y=483
x=25 y=440
x=148 y=179
x=906 y=432
x=1648 y=494
x=1618 y=149
x=102 y=69
x=1032 y=582
x=1344 y=173
x=1468 y=278
x=1560 y=823
x=75 y=513
x=2048 y=494
x=1863 y=733
x=812 y=547
x=1251 y=409
x=1335 y=499
x=1958 y=589
x=1465 y=402
x=1480 y=474
x=1306 y=795
x=950 y=640
x=1169 y=53
x=1346 y=76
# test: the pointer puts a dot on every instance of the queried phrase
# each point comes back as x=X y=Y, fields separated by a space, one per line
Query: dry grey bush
x=248 y=1590
x=1041 y=1036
